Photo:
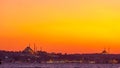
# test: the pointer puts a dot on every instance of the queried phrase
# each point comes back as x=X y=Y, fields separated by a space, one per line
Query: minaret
x=109 y=50
x=34 y=47
x=29 y=45
x=40 y=48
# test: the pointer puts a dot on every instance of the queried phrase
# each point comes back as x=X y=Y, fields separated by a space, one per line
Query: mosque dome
x=104 y=52
x=28 y=50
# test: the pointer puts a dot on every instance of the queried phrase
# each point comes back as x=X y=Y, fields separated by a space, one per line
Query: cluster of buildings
x=33 y=55
x=29 y=50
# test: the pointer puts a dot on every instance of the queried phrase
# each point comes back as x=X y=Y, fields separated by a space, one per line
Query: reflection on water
x=67 y=65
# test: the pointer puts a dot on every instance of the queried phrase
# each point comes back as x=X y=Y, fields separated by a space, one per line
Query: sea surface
x=56 y=65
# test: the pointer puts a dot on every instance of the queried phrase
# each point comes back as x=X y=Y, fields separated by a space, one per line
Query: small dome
x=104 y=52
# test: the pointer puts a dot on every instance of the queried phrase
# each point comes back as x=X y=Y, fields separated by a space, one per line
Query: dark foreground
x=66 y=65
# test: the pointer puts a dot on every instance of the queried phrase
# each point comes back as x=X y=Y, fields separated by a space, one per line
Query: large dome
x=28 y=50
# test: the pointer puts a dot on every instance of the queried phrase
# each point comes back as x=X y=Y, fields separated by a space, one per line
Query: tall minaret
x=40 y=48
x=29 y=45
x=109 y=50
x=34 y=48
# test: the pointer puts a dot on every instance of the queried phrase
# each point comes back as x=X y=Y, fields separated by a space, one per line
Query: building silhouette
x=104 y=52
x=28 y=50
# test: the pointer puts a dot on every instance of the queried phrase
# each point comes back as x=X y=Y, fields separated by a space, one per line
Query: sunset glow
x=67 y=26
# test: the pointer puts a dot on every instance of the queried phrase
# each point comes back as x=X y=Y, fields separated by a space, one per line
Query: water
x=66 y=65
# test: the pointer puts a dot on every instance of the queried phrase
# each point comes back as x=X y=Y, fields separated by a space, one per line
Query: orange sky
x=67 y=26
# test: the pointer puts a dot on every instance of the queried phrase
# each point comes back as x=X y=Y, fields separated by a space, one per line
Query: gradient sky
x=67 y=26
